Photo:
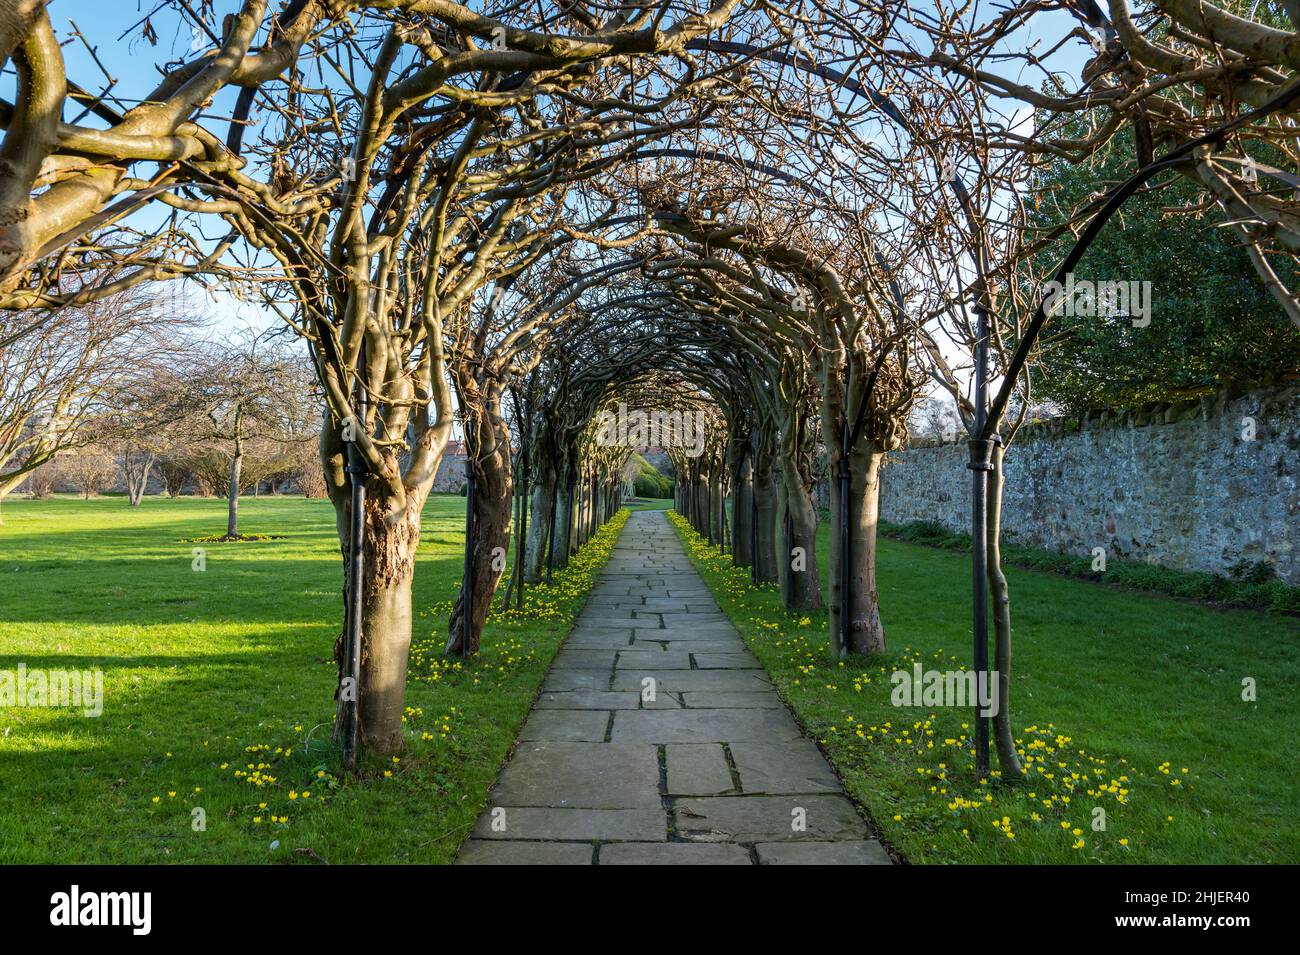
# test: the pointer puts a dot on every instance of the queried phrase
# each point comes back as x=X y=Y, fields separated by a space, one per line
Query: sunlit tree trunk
x=866 y=632
x=391 y=536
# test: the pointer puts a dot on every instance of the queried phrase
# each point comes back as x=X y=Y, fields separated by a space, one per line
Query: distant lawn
x=208 y=672
x=1135 y=699
x=650 y=504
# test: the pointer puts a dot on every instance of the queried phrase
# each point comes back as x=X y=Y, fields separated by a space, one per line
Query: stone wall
x=1200 y=485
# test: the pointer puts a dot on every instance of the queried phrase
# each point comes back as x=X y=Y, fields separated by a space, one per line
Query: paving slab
x=637 y=825
x=648 y=641
x=653 y=659
x=726 y=661
x=487 y=852
x=585 y=659
x=634 y=623
x=791 y=767
x=867 y=852
x=714 y=618
x=697 y=769
x=565 y=775
x=579 y=726
x=673 y=853
x=599 y=641
x=687 y=680
x=688 y=631
x=588 y=700
x=766 y=700
x=769 y=819
x=569 y=679
x=698 y=726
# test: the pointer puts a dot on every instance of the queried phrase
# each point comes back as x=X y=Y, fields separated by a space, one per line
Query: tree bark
x=539 y=526
x=803 y=589
x=716 y=504
x=866 y=632
x=389 y=546
x=563 y=524
x=539 y=520
x=765 y=496
x=487 y=447
x=742 y=552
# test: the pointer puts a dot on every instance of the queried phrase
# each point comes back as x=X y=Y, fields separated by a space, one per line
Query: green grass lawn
x=650 y=504
x=1125 y=702
x=218 y=688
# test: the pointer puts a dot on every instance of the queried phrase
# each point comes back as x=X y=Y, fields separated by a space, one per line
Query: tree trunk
x=1003 y=735
x=388 y=568
x=803 y=589
x=866 y=632
x=488 y=448
x=765 y=496
x=138 y=482
x=561 y=548
x=539 y=526
x=716 y=505
x=742 y=551
x=232 y=506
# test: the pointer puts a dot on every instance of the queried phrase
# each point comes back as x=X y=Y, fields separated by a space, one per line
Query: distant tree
x=153 y=417
x=934 y=416
x=89 y=469
x=306 y=471
x=1211 y=322
x=65 y=380
x=40 y=482
x=174 y=472
x=259 y=401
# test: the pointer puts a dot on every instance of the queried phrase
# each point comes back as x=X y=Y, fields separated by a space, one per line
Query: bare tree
x=69 y=380
x=253 y=394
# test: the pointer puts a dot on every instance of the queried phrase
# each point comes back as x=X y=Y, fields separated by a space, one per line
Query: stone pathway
x=658 y=740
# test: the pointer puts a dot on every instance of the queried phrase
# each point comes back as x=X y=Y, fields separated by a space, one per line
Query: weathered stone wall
x=1196 y=486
